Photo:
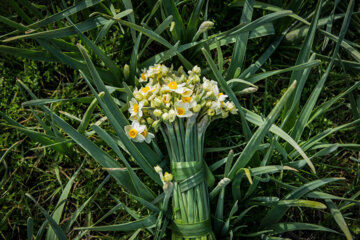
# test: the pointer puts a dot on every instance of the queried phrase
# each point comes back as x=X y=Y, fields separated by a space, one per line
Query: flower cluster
x=167 y=94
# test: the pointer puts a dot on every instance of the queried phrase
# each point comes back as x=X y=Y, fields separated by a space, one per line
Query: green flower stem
x=190 y=206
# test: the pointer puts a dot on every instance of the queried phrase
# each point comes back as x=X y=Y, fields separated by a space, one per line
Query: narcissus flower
x=167 y=95
x=173 y=86
x=182 y=110
x=135 y=109
x=134 y=131
x=147 y=135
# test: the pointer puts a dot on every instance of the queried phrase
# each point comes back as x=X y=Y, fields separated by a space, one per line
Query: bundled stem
x=190 y=204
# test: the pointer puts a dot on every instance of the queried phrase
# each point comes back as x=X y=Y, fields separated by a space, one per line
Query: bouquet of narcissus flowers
x=181 y=106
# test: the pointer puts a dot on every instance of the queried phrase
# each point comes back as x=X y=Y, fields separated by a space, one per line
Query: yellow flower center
x=165 y=99
x=143 y=76
x=186 y=99
x=133 y=133
x=220 y=94
x=136 y=108
x=144 y=133
x=172 y=85
x=180 y=111
x=187 y=92
x=145 y=89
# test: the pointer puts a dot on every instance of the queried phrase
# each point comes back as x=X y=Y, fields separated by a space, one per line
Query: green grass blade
x=98 y=52
x=260 y=133
x=290 y=109
x=78 y=211
x=27 y=53
x=179 y=29
x=56 y=215
x=288 y=227
x=57 y=229
x=339 y=218
x=329 y=24
x=260 y=76
x=13 y=24
x=312 y=141
x=238 y=55
x=306 y=111
x=118 y=120
x=194 y=20
x=160 y=29
x=147 y=222
x=253 y=68
x=276 y=213
x=354 y=108
x=128 y=6
x=30 y=228
x=219 y=212
x=20 y=11
x=326 y=105
x=61 y=15
x=63 y=32
x=139 y=186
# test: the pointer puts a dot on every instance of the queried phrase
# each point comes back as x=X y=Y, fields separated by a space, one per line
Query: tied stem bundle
x=181 y=107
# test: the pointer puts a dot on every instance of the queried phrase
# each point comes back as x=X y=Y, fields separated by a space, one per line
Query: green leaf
x=56 y=215
x=339 y=219
x=238 y=55
x=147 y=222
x=257 y=77
x=57 y=229
x=61 y=15
x=30 y=228
x=288 y=227
x=179 y=29
x=277 y=212
x=78 y=211
x=139 y=186
x=118 y=120
x=260 y=133
x=291 y=107
x=98 y=52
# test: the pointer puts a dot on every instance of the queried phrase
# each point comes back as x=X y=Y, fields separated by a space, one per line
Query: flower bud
x=157 y=102
x=197 y=108
x=205 y=26
x=168 y=177
x=249 y=90
x=196 y=69
x=172 y=26
x=172 y=115
x=138 y=96
x=211 y=112
x=224 y=114
x=165 y=117
x=157 y=112
x=149 y=120
x=209 y=94
x=230 y=106
x=208 y=104
x=146 y=102
x=155 y=124
x=126 y=71
x=142 y=121
x=158 y=169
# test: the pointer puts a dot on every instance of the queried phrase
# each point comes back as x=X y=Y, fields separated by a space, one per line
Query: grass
x=44 y=172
